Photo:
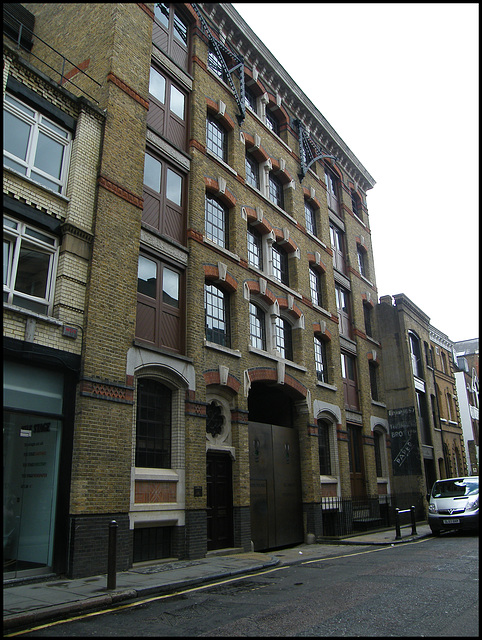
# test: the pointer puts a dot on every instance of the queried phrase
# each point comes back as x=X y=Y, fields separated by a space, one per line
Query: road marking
x=138 y=603
x=360 y=553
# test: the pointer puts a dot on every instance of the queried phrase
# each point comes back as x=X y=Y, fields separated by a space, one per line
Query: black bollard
x=412 y=514
x=398 y=533
x=111 y=555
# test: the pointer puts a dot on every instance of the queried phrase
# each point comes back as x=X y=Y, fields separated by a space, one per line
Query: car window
x=455 y=488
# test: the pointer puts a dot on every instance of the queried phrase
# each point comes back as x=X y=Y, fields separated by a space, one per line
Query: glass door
x=31 y=446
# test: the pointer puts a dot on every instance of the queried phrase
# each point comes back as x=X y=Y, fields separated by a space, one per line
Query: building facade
x=446 y=406
x=212 y=247
x=467 y=382
x=420 y=392
x=52 y=141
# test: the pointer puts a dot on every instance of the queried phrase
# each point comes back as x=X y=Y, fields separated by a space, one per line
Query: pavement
x=26 y=604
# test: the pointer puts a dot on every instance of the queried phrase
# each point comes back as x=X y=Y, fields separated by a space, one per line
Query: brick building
x=421 y=397
x=210 y=241
x=467 y=382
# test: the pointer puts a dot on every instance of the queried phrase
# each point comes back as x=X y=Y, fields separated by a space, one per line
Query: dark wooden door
x=357 y=468
x=219 y=501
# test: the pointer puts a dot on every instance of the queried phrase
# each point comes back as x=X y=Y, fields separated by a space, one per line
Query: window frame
x=344 y=310
x=367 y=316
x=272 y=122
x=166 y=208
x=276 y=191
x=279 y=264
x=177 y=48
x=324 y=447
x=415 y=354
x=321 y=362
x=350 y=381
x=220 y=150
x=316 y=289
x=310 y=219
x=253 y=175
x=39 y=125
x=216 y=227
x=332 y=191
x=255 y=239
x=362 y=262
x=168 y=320
x=374 y=386
x=257 y=327
x=165 y=107
x=283 y=338
x=15 y=235
x=167 y=450
x=338 y=245
x=220 y=335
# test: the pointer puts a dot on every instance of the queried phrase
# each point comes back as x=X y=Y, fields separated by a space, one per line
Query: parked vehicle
x=454 y=504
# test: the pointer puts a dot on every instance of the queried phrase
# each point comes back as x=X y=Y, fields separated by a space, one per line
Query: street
x=425 y=588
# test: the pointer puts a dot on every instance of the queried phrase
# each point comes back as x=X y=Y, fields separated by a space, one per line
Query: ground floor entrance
x=219 y=500
x=275 y=482
x=32 y=432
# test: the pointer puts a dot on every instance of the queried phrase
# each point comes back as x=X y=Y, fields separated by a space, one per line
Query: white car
x=454 y=504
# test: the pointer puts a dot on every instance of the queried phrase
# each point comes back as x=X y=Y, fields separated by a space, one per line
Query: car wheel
x=436 y=532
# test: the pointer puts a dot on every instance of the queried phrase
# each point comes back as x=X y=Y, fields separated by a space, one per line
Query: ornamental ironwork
x=310 y=151
x=222 y=52
x=215 y=419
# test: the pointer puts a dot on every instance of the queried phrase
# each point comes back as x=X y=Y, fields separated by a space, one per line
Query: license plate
x=451 y=521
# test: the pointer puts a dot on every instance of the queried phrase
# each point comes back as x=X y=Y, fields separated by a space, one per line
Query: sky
x=399 y=83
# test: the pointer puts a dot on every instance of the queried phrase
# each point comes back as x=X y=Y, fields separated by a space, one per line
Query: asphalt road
x=425 y=588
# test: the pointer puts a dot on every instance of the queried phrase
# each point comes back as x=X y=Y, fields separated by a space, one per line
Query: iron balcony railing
x=22 y=34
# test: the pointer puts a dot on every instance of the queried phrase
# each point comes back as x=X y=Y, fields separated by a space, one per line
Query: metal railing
x=345 y=516
x=22 y=28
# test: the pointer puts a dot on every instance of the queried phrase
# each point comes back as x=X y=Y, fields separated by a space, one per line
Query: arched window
x=153 y=424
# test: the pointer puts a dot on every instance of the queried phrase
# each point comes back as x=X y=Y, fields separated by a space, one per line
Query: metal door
x=276 y=502
x=219 y=501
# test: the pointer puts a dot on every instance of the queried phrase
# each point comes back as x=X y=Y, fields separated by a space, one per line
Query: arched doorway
x=275 y=471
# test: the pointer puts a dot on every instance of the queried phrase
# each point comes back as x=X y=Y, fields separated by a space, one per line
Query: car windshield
x=455 y=488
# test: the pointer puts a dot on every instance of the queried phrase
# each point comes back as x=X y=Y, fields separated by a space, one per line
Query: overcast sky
x=399 y=84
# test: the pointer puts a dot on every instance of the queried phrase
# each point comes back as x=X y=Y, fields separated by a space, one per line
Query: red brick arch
x=259 y=153
x=263 y=227
x=227 y=197
x=224 y=119
x=212 y=377
x=211 y=274
x=269 y=374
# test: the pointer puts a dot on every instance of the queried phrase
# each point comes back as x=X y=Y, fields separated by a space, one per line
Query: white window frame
x=18 y=233
x=271 y=314
x=39 y=124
